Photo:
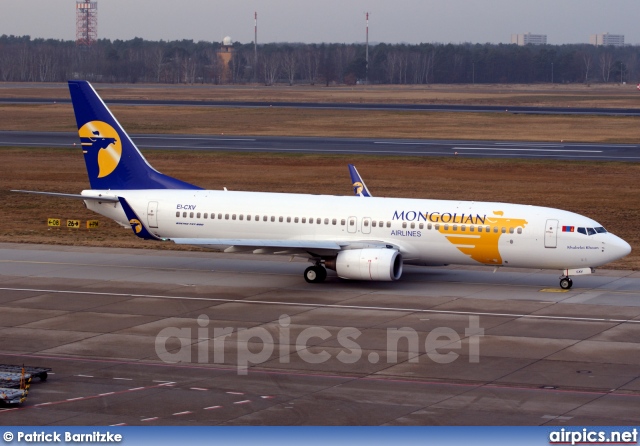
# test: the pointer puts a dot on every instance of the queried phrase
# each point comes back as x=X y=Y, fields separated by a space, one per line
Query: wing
x=303 y=248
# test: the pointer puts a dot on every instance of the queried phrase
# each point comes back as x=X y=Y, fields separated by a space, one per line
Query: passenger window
x=413 y=225
x=233 y=217
x=198 y=215
x=373 y=224
x=304 y=219
x=463 y=228
x=295 y=220
x=404 y=224
x=248 y=217
x=288 y=219
x=318 y=221
x=178 y=214
x=184 y=215
x=479 y=228
x=495 y=229
x=421 y=226
x=206 y=215
x=381 y=224
x=504 y=229
x=519 y=230
x=311 y=221
x=343 y=222
x=219 y=216
x=240 y=217
x=265 y=218
x=437 y=227
x=388 y=224
x=191 y=215
x=455 y=227
x=352 y=222
x=510 y=230
x=273 y=218
x=326 y=221
x=472 y=228
x=280 y=219
x=334 y=222
x=429 y=226
x=446 y=227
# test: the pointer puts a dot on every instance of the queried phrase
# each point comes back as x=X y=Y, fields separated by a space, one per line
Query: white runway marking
x=318 y=305
x=515 y=149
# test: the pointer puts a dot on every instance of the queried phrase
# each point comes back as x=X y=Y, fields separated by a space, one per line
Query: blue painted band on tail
x=113 y=161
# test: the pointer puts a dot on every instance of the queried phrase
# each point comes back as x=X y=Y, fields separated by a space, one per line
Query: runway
x=589 y=111
x=348 y=146
x=509 y=348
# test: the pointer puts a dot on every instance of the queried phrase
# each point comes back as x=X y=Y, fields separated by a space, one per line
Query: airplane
x=367 y=240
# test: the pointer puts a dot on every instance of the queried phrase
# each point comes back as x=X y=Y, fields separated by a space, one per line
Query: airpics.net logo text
x=246 y=347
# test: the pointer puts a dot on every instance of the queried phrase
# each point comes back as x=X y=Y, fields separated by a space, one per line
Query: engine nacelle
x=368 y=264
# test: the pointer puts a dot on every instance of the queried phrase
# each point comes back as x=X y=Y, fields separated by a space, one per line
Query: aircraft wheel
x=566 y=283
x=315 y=274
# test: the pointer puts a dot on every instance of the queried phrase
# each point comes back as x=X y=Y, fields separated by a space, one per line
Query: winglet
x=359 y=188
x=138 y=227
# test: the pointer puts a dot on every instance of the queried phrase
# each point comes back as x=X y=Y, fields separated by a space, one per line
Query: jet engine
x=367 y=264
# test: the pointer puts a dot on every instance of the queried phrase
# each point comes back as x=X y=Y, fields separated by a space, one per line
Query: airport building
x=606 y=39
x=528 y=38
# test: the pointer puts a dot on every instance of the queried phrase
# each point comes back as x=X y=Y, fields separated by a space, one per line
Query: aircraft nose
x=618 y=247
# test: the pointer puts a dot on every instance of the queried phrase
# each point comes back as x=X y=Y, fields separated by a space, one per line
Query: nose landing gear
x=566 y=282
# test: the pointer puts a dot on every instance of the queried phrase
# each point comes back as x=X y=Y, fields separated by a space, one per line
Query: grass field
x=557 y=95
x=607 y=192
x=336 y=123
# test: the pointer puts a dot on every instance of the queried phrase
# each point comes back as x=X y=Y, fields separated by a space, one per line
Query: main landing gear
x=566 y=282
x=315 y=274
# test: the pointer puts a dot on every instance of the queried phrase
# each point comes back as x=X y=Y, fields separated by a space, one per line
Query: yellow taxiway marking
x=553 y=290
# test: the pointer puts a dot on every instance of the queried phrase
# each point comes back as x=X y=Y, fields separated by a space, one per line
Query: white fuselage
x=428 y=232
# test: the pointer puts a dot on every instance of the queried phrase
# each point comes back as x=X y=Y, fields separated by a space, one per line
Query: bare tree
x=606 y=65
x=290 y=64
x=587 y=60
x=270 y=67
x=311 y=62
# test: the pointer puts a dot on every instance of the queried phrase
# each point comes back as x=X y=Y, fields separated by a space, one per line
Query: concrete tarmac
x=453 y=345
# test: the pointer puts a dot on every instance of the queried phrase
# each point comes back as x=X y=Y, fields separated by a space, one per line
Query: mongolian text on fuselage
x=440 y=217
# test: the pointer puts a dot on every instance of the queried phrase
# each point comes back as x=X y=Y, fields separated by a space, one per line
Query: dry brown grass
x=336 y=123
x=607 y=192
x=559 y=95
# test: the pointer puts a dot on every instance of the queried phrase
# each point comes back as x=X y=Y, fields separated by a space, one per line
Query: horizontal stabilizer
x=105 y=199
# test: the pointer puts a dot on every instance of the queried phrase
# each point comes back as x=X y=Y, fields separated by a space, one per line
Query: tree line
x=23 y=59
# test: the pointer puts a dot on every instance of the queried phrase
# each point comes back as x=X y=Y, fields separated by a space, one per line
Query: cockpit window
x=592 y=231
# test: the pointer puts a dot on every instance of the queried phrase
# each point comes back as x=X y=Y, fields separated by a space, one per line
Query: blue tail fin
x=359 y=188
x=113 y=160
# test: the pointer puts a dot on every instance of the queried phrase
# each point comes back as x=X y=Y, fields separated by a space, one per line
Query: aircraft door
x=551 y=234
x=152 y=214
x=352 y=225
x=366 y=225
